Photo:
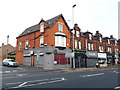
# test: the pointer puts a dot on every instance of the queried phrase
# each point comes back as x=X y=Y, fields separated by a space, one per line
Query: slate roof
x=48 y=24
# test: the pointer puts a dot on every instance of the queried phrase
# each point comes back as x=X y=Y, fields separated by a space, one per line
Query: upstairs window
x=19 y=45
x=89 y=47
x=109 y=49
x=90 y=36
x=41 y=41
x=92 y=47
x=115 y=43
x=75 y=44
x=86 y=44
x=101 y=48
x=60 y=41
x=42 y=28
x=100 y=40
x=60 y=27
x=26 y=44
x=77 y=33
x=79 y=44
x=108 y=41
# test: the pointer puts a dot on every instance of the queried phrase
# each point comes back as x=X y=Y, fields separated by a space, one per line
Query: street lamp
x=73 y=34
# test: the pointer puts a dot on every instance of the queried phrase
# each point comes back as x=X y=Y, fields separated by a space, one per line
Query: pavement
x=29 y=69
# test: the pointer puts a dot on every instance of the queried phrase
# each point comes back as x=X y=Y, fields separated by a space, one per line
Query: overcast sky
x=91 y=15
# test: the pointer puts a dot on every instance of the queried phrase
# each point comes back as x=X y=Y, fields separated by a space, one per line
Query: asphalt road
x=18 y=78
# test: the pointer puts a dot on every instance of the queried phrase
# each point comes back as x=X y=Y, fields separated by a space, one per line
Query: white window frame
x=92 y=46
x=90 y=37
x=108 y=41
x=86 y=43
x=42 y=28
x=20 y=44
x=89 y=46
x=60 y=41
x=115 y=43
x=76 y=44
x=60 y=27
x=100 y=39
x=26 y=44
x=41 y=41
x=77 y=33
x=80 y=47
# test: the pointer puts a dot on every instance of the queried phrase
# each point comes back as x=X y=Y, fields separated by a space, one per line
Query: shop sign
x=91 y=54
x=78 y=52
x=102 y=55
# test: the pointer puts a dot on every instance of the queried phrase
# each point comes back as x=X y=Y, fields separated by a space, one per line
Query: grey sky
x=92 y=15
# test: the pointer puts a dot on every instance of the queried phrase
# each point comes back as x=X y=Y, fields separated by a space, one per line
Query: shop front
x=92 y=58
x=102 y=59
x=110 y=59
x=80 y=59
x=116 y=58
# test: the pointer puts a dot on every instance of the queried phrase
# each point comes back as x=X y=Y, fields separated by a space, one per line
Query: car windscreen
x=11 y=60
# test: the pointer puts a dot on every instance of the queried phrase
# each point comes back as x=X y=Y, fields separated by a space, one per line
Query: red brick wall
x=49 y=36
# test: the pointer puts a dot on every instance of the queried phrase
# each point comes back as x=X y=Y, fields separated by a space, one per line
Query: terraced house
x=49 y=44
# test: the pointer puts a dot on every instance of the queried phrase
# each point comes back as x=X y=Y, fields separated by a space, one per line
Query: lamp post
x=73 y=35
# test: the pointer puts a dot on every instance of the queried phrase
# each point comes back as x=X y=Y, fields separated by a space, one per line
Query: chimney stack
x=2 y=44
x=7 y=39
x=111 y=36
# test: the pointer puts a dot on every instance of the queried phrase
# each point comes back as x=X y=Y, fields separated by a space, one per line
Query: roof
x=87 y=32
x=49 y=23
x=30 y=30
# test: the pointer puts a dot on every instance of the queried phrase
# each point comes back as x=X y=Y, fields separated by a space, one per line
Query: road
x=18 y=78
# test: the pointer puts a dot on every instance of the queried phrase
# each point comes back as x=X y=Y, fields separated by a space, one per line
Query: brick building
x=4 y=50
x=50 y=41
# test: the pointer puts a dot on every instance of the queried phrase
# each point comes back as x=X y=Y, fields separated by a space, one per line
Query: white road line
x=45 y=82
x=20 y=75
x=13 y=83
x=92 y=75
x=7 y=71
x=117 y=87
x=22 y=84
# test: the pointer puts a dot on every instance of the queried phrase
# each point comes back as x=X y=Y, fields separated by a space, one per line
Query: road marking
x=115 y=71
x=20 y=75
x=7 y=71
x=92 y=75
x=13 y=83
x=45 y=81
x=14 y=70
x=22 y=84
x=117 y=87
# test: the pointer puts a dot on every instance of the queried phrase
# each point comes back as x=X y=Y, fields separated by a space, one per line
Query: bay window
x=75 y=44
x=79 y=44
x=60 y=41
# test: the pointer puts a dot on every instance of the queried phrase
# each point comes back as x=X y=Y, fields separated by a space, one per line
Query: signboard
x=79 y=57
x=91 y=54
x=102 y=55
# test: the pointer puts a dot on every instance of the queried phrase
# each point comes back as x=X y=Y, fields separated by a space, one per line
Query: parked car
x=9 y=62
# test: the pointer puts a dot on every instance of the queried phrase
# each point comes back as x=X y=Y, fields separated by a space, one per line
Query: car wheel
x=8 y=64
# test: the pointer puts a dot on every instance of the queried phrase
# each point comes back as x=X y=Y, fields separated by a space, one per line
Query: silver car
x=9 y=62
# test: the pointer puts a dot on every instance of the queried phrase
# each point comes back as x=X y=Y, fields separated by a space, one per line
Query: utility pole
x=73 y=35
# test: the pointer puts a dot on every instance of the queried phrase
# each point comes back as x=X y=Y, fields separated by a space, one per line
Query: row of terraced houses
x=49 y=45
